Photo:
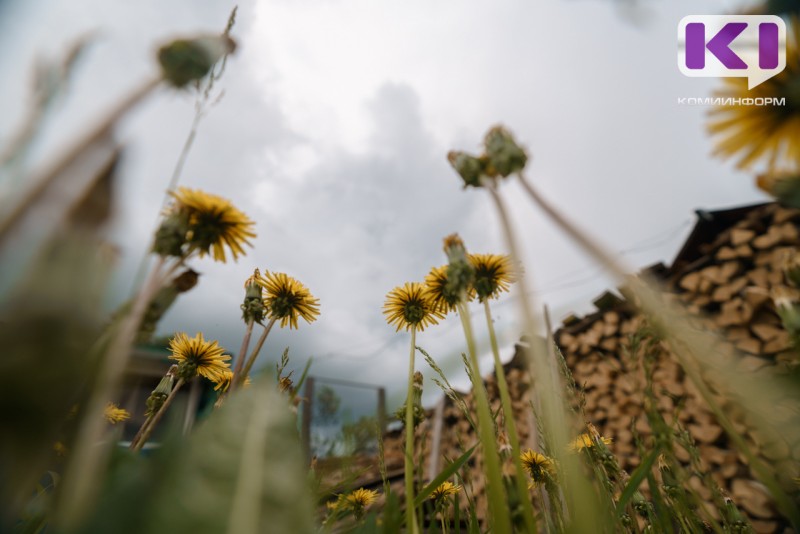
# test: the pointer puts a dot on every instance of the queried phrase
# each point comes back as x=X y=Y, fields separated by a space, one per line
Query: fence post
x=308 y=409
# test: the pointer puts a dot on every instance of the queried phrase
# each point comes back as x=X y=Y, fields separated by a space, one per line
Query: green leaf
x=446 y=473
x=241 y=471
x=636 y=479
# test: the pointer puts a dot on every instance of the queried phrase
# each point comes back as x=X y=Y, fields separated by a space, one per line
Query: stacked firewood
x=728 y=287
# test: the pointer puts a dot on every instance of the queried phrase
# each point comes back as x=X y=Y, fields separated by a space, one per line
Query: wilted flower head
x=196 y=356
x=468 y=167
x=114 y=414
x=213 y=223
x=538 y=466
x=493 y=274
x=767 y=132
x=409 y=306
x=187 y=60
x=287 y=299
x=505 y=156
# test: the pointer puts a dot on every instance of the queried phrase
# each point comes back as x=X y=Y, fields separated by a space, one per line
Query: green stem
x=239 y=379
x=511 y=427
x=577 y=489
x=159 y=414
x=141 y=431
x=411 y=516
x=237 y=368
x=498 y=502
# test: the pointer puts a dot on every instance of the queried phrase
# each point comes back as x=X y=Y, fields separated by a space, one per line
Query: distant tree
x=327 y=405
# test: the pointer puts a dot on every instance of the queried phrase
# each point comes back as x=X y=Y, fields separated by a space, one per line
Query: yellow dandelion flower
x=538 y=466
x=225 y=381
x=440 y=295
x=360 y=499
x=494 y=273
x=287 y=299
x=584 y=441
x=214 y=223
x=114 y=414
x=761 y=133
x=196 y=356
x=410 y=307
x=444 y=490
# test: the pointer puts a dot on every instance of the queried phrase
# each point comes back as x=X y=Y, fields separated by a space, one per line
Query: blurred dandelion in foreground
x=585 y=441
x=494 y=273
x=213 y=223
x=410 y=307
x=766 y=132
x=114 y=414
x=538 y=466
x=287 y=299
x=196 y=356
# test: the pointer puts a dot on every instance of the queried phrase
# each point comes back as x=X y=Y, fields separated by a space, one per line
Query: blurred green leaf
x=241 y=471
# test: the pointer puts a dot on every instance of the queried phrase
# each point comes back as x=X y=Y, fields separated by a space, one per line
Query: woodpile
x=724 y=276
x=728 y=286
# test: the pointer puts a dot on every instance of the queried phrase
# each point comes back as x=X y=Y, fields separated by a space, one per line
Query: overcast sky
x=332 y=135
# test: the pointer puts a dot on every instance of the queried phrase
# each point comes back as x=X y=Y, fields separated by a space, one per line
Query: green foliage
x=240 y=471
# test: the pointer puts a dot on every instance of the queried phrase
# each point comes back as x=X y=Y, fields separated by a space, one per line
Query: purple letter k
x=719 y=45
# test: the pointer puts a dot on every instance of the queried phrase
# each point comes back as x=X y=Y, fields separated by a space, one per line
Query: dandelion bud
x=187 y=60
x=785 y=187
x=505 y=155
x=156 y=399
x=253 y=308
x=460 y=272
x=468 y=167
x=171 y=235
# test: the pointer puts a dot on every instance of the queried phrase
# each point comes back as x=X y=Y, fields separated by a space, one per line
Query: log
x=766 y=332
x=752 y=497
x=741 y=236
x=726 y=253
x=705 y=433
x=780 y=343
x=750 y=345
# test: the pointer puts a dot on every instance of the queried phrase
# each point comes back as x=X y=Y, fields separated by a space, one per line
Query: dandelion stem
x=159 y=414
x=511 y=427
x=578 y=491
x=498 y=504
x=237 y=368
x=141 y=431
x=253 y=355
x=411 y=515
